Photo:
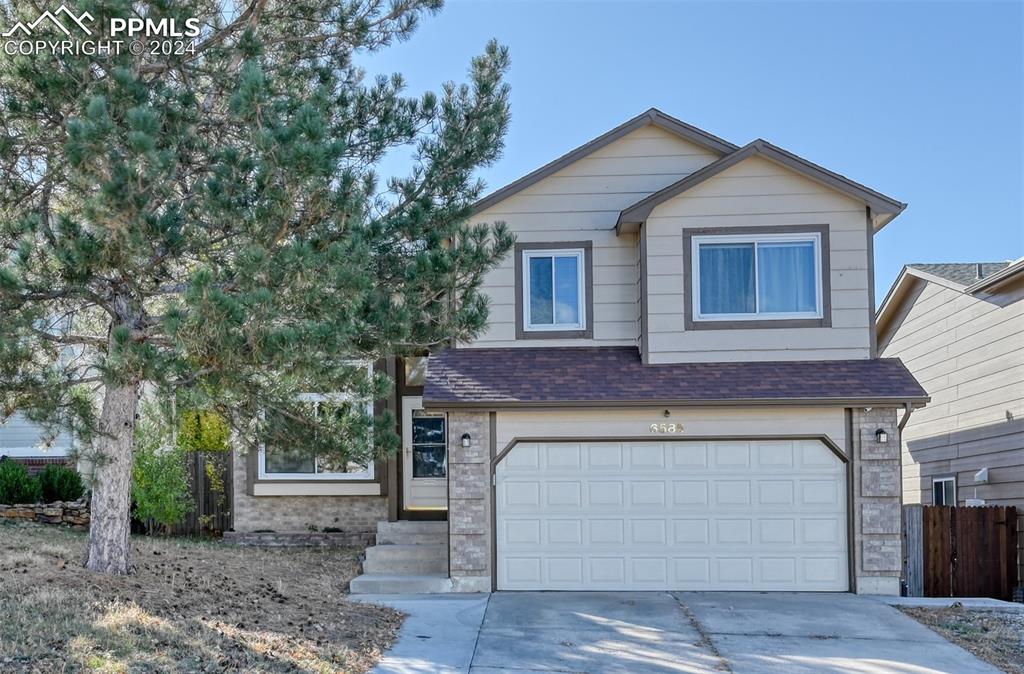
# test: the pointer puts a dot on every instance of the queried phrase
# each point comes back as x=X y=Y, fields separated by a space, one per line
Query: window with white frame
x=285 y=463
x=762 y=277
x=554 y=290
x=944 y=491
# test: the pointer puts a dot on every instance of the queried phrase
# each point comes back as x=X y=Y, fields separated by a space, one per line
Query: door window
x=429 y=446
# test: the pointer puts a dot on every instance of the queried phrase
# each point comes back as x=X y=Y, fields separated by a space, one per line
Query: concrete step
x=395 y=553
x=380 y=583
x=414 y=567
x=411 y=539
x=411 y=527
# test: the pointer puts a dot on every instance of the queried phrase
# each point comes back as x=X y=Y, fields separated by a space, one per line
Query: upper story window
x=762 y=277
x=552 y=290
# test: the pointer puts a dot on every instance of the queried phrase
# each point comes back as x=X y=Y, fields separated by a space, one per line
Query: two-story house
x=959 y=328
x=678 y=389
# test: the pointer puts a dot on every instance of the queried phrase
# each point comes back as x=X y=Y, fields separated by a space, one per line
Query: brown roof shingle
x=541 y=377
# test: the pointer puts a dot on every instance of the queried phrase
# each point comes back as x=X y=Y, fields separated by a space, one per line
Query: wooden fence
x=960 y=551
x=211 y=496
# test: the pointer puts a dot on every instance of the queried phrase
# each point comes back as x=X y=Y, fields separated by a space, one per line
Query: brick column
x=877 y=512
x=469 y=543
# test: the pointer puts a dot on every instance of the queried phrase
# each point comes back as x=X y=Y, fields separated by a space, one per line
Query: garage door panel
x=689 y=454
x=732 y=492
x=605 y=456
x=757 y=515
x=563 y=456
x=647 y=493
x=563 y=493
x=606 y=493
x=775 y=455
x=690 y=493
x=731 y=455
x=691 y=532
x=646 y=455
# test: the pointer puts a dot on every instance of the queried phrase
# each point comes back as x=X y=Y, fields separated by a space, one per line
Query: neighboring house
x=960 y=329
x=678 y=389
x=25 y=442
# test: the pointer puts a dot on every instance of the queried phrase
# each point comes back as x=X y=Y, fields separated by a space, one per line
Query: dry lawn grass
x=994 y=636
x=192 y=606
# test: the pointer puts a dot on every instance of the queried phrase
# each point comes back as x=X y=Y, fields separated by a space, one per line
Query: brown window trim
x=588 y=290
x=757 y=323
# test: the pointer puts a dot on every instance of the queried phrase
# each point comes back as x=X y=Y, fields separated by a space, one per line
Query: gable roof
x=615 y=376
x=961 y=273
x=653 y=116
x=963 y=277
x=633 y=216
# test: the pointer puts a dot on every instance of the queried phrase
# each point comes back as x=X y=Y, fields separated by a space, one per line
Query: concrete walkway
x=659 y=632
x=439 y=635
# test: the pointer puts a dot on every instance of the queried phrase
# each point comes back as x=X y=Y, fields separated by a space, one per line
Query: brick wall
x=876 y=500
x=35 y=464
x=469 y=502
x=282 y=514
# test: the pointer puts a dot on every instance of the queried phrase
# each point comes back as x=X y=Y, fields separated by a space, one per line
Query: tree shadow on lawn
x=191 y=606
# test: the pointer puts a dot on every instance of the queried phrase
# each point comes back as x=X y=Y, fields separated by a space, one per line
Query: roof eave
x=1001 y=277
x=883 y=208
x=915 y=401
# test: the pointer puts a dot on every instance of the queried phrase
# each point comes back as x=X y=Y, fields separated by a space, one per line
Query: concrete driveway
x=648 y=632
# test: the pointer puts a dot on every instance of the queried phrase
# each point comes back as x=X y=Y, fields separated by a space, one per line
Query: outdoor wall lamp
x=881 y=436
x=465 y=439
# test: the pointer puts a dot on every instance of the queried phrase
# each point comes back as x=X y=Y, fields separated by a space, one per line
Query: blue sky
x=921 y=101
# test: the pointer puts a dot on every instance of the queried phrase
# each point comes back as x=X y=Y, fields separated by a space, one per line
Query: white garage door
x=750 y=515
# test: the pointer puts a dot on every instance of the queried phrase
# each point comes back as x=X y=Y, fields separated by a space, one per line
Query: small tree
x=210 y=224
x=160 y=483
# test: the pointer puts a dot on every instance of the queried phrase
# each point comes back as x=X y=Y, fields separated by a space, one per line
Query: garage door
x=751 y=515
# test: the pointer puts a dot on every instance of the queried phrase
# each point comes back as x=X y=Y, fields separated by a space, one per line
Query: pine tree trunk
x=110 y=526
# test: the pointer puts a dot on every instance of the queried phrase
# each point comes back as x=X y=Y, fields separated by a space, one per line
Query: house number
x=666 y=428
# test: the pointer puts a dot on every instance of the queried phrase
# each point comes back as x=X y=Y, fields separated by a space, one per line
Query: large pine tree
x=211 y=225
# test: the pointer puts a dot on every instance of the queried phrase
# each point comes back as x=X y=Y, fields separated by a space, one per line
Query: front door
x=424 y=457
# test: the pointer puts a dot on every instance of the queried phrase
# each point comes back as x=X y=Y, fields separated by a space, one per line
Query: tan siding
x=967 y=353
x=582 y=202
x=757 y=192
x=720 y=422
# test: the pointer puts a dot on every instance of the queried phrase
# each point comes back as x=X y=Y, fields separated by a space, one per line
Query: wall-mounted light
x=667 y=413
x=881 y=436
x=466 y=439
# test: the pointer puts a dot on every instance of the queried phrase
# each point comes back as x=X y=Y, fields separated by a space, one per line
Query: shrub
x=16 y=485
x=160 y=485
x=60 y=483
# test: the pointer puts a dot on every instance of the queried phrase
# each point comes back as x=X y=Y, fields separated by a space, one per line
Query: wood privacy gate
x=960 y=551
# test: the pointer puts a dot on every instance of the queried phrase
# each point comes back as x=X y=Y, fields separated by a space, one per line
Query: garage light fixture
x=881 y=436
x=465 y=439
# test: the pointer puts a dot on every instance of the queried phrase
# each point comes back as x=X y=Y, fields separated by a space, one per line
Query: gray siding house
x=960 y=329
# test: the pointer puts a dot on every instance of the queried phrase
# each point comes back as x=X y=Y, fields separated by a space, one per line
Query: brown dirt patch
x=994 y=636
x=192 y=606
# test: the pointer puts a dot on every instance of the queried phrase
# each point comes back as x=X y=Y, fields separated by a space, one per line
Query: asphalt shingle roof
x=594 y=375
x=963 y=273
